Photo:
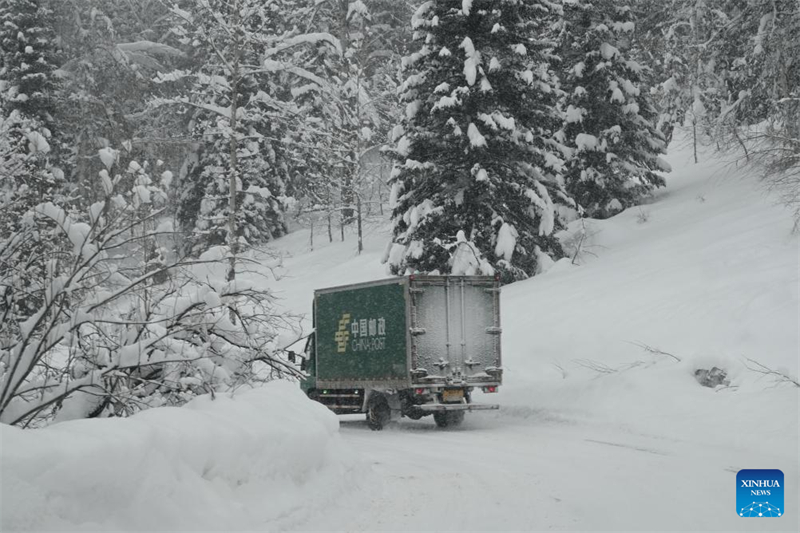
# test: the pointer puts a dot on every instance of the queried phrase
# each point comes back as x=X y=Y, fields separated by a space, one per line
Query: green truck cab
x=412 y=346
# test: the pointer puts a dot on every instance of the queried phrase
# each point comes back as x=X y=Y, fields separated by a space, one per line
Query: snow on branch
x=271 y=65
x=182 y=100
x=306 y=38
x=150 y=47
x=108 y=326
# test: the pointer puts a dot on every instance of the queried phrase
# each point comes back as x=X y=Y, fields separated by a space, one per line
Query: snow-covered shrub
x=773 y=149
x=116 y=328
x=233 y=194
x=579 y=240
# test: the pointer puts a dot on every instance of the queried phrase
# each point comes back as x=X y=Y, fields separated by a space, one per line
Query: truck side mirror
x=292 y=356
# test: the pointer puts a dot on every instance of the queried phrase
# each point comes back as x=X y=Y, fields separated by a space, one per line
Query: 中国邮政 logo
x=759 y=493
x=342 y=334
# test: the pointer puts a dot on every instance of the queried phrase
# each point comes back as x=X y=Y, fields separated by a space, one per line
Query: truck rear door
x=455 y=329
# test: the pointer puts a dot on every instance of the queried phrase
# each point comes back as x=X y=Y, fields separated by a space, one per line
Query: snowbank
x=248 y=462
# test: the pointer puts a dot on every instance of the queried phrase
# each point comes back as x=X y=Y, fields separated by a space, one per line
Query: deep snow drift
x=595 y=432
x=251 y=461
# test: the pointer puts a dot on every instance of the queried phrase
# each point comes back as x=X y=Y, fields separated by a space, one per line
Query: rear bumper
x=433 y=407
x=438 y=383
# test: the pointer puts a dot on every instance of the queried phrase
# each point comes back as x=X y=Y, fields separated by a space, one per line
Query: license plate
x=452 y=395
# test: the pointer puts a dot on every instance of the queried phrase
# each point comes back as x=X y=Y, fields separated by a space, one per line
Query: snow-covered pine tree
x=204 y=205
x=475 y=153
x=661 y=26
x=28 y=172
x=28 y=88
x=609 y=116
x=28 y=55
x=236 y=90
x=111 y=52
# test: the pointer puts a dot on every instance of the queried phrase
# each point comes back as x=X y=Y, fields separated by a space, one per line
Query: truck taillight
x=490 y=388
x=419 y=391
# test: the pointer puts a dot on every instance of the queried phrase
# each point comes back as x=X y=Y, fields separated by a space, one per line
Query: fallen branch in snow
x=560 y=368
x=654 y=351
x=778 y=376
x=602 y=368
x=596 y=366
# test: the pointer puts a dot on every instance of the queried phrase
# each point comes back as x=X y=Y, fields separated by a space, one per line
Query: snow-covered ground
x=251 y=461
x=707 y=272
x=595 y=432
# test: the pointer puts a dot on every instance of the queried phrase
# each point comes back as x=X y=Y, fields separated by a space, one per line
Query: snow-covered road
x=598 y=430
x=508 y=473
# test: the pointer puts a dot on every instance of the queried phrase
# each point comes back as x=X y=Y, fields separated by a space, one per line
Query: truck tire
x=445 y=419
x=378 y=412
x=414 y=414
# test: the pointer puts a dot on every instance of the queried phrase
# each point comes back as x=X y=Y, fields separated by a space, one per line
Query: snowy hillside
x=707 y=272
x=595 y=432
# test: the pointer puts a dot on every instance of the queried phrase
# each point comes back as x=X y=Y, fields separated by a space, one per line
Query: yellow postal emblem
x=343 y=333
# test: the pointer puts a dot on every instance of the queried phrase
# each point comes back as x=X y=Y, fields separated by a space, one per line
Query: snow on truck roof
x=405 y=279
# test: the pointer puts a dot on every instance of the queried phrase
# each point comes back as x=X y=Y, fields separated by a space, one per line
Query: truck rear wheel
x=445 y=419
x=378 y=412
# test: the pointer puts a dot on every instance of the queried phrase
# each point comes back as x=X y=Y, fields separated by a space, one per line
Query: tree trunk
x=234 y=172
x=696 y=19
x=360 y=232
x=347 y=193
